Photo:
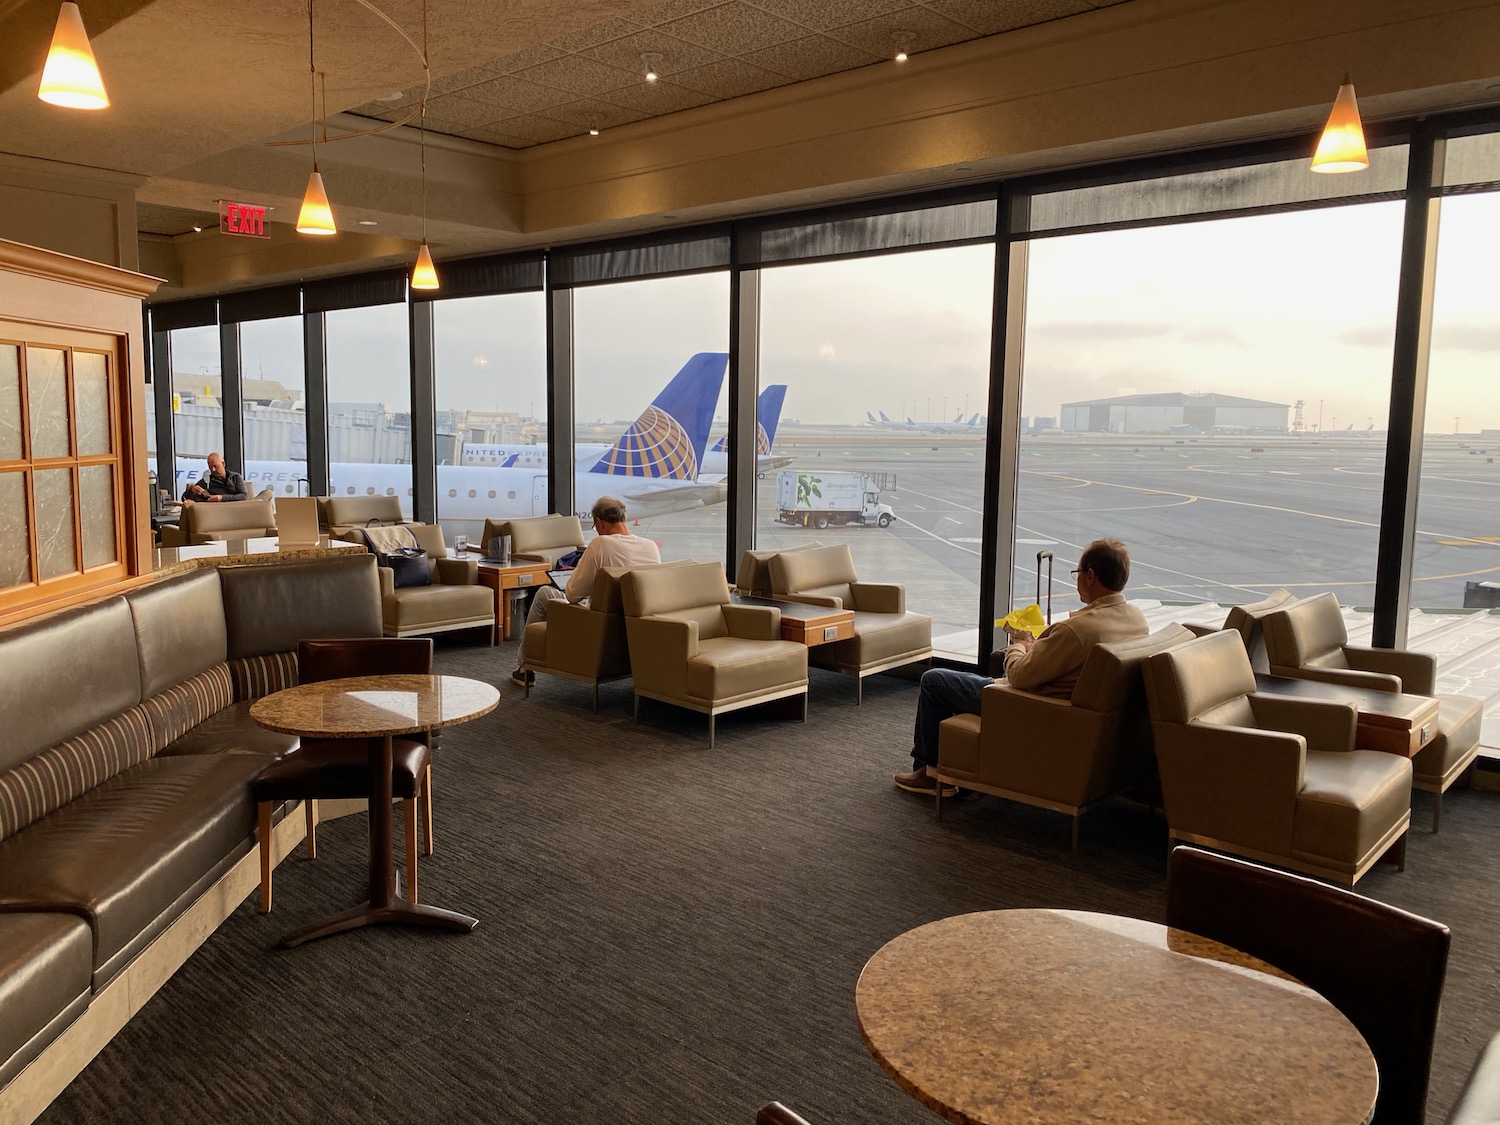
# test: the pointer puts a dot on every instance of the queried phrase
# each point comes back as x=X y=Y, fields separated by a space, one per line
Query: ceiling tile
x=729 y=79
x=517 y=94
x=493 y=137
x=538 y=130
x=579 y=76
x=676 y=54
x=450 y=83
x=456 y=110
x=656 y=98
x=812 y=57
x=672 y=10
x=593 y=36
x=823 y=14
x=530 y=56
x=734 y=29
x=382 y=111
x=989 y=18
x=157 y=218
x=927 y=29
x=587 y=111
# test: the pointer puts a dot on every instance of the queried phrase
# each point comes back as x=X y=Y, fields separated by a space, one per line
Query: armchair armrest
x=660 y=648
x=1080 y=761
x=878 y=597
x=455 y=572
x=753 y=622
x=811 y=599
x=387 y=578
x=583 y=640
x=1349 y=677
x=1231 y=783
x=1416 y=670
x=1325 y=726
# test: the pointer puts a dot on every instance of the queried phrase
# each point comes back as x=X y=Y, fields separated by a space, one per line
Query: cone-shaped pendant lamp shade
x=71 y=77
x=316 y=217
x=424 y=274
x=1342 y=146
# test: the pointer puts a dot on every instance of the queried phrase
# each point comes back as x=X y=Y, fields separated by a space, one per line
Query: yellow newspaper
x=1027 y=620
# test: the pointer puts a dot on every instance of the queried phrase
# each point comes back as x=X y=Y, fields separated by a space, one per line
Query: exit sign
x=245 y=219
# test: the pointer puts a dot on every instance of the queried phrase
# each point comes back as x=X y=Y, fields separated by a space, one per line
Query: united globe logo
x=656 y=445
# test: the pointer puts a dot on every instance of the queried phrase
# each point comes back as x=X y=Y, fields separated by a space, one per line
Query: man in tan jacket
x=1046 y=665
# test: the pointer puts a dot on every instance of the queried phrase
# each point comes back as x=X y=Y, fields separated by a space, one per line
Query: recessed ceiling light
x=902 y=40
x=366 y=223
x=395 y=97
x=652 y=61
x=197 y=229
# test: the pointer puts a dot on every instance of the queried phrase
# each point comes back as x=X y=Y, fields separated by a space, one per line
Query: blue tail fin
x=768 y=414
x=667 y=440
x=974 y=421
x=883 y=418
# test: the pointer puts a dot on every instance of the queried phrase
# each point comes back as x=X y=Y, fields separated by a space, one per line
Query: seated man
x=1047 y=665
x=218 y=485
x=613 y=545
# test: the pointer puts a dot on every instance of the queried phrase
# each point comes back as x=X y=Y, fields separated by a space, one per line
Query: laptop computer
x=559 y=578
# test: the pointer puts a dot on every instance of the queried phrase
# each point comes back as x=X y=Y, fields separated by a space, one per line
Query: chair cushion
x=727 y=668
x=819 y=569
x=330 y=769
x=418 y=606
x=1456 y=744
x=46 y=969
x=126 y=855
x=1349 y=801
x=882 y=636
x=179 y=626
x=232 y=731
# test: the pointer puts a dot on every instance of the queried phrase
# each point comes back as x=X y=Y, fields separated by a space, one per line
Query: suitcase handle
x=1040 y=555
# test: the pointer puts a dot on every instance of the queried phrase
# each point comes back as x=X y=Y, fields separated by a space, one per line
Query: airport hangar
x=1174 y=412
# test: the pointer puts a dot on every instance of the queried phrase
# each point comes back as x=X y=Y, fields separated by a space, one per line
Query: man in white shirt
x=613 y=545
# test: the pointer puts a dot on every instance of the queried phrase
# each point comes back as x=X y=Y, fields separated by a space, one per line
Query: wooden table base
x=400 y=912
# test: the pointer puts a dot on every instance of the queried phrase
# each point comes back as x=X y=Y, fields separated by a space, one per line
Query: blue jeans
x=945 y=693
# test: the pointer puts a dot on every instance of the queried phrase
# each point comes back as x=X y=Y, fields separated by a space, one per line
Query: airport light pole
x=1320 y=416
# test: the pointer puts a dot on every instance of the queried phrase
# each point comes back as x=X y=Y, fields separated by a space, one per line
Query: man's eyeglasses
x=1078 y=570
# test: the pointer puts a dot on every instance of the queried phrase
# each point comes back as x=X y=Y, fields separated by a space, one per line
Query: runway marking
x=943 y=499
x=1132 y=508
x=1164 y=569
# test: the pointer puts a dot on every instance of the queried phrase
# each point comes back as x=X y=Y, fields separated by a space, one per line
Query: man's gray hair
x=608 y=509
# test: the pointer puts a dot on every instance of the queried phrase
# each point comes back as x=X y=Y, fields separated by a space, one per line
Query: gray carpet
x=668 y=934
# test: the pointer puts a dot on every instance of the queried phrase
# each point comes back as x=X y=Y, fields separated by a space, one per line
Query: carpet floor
x=667 y=934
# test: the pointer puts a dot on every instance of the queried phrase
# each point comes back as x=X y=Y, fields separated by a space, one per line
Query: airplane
x=653 y=466
x=885 y=423
x=957 y=426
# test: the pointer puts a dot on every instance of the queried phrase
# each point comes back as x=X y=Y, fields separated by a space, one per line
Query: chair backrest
x=824 y=571
x=1198 y=676
x=648 y=591
x=347 y=513
x=607 y=596
x=236 y=520
x=1112 y=678
x=539 y=533
x=1249 y=620
x=363 y=656
x=384 y=539
x=754 y=575
x=1379 y=965
x=1307 y=631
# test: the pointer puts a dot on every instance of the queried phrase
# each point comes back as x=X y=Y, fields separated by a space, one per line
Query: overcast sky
x=1276 y=307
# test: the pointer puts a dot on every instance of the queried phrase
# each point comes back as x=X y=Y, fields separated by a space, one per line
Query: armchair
x=349 y=515
x=754 y=576
x=691 y=648
x=539 y=538
x=885 y=634
x=584 y=641
x=1267 y=777
x=453 y=599
x=1248 y=621
x=1098 y=743
x=212 y=523
x=1307 y=639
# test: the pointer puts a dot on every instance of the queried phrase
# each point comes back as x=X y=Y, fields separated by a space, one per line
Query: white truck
x=821 y=499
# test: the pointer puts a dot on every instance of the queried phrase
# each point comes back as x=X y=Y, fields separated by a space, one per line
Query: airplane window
x=492 y=494
x=350 y=490
x=390 y=492
x=452 y=492
x=511 y=495
x=370 y=490
x=472 y=494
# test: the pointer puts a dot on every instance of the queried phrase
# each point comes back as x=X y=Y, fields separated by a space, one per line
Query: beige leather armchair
x=691 y=648
x=212 y=523
x=584 y=642
x=1097 y=744
x=538 y=538
x=453 y=600
x=343 y=515
x=754 y=575
x=1266 y=777
x=1307 y=639
x=885 y=634
x=1248 y=621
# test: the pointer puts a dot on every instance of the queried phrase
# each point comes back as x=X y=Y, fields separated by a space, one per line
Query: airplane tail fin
x=883 y=418
x=870 y=416
x=768 y=417
x=974 y=421
x=669 y=437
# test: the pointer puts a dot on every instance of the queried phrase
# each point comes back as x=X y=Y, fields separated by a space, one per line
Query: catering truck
x=821 y=499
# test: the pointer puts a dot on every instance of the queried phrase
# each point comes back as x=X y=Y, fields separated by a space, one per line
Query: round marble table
x=1044 y=1016
x=377 y=708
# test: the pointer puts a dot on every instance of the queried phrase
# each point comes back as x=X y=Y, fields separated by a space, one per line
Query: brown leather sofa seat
x=46 y=977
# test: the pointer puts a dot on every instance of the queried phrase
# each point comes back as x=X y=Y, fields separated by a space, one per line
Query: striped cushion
x=255 y=676
x=183 y=706
x=51 y=779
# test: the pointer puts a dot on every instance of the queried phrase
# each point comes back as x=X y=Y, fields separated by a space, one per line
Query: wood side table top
x=371 y=706
x=1413 y=715
x=811 y=615
x=1056 y=1016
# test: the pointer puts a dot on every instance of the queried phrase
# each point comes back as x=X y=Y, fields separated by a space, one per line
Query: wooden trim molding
x=17 y=257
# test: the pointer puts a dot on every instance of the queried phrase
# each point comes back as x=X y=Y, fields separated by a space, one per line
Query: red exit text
x=245 y=219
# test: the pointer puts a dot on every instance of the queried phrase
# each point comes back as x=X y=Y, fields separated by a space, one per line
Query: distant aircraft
x=957 y=426
x=885 y=423
x=653 y=466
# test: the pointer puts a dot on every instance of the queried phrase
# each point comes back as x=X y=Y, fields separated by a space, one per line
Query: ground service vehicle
x=823 y=499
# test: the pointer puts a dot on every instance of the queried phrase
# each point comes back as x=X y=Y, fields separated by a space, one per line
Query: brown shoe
x=919 y=783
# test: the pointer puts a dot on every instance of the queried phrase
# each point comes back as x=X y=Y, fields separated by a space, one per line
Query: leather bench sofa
x=125 y=785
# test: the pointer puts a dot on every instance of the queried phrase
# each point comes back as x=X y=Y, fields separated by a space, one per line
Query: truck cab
x=876 y=512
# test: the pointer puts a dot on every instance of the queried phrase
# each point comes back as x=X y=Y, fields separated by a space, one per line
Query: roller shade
x=867 y=229
x=486 y=277
x=677 y=252
x=385 y=288
x=261 y=304
x=194 y=313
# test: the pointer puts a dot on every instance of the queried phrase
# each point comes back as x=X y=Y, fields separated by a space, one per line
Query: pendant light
x=424 y=273
x=71 y=77
x=1342 y=145
x=315 y=217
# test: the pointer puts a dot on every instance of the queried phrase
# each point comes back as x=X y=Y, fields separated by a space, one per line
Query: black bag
x=568 y=561
x=408 y=567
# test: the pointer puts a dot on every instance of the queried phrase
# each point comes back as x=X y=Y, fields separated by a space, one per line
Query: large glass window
x=1214 y=394
x=647 y=411
x=491 y=397
x=197 y=412
x=369 y=403
x=273 y=383
x=884 y=363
